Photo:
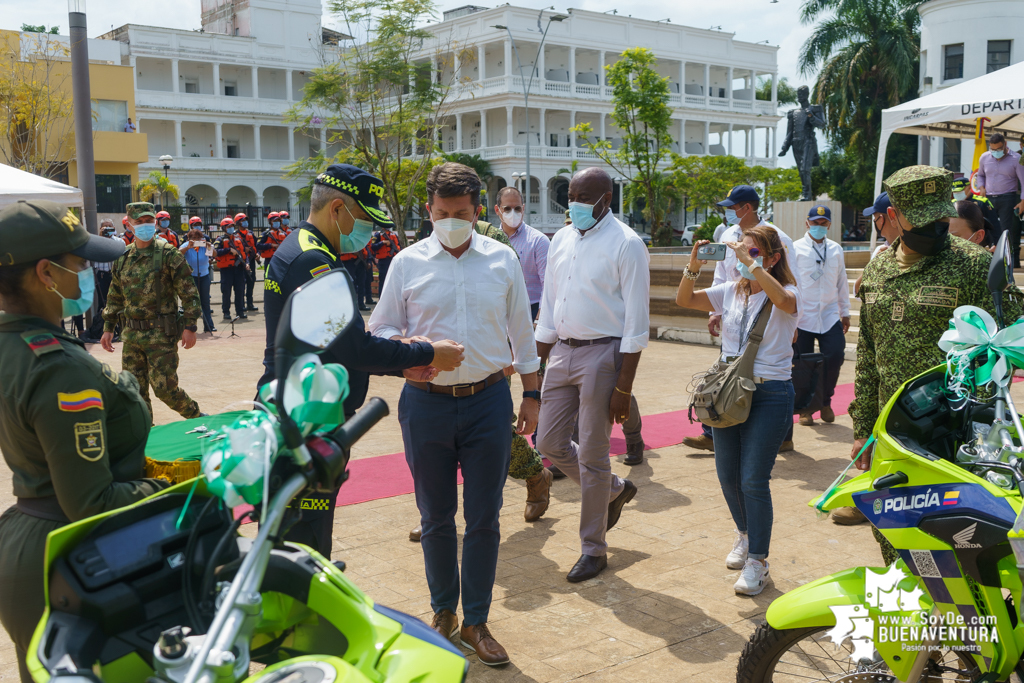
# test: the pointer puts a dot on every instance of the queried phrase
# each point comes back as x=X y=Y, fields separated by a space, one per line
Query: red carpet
x=385 y=476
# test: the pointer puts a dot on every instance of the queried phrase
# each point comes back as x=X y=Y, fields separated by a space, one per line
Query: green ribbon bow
x=973 y=332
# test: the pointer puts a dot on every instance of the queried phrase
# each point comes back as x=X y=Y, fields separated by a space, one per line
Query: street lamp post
x=82 y=98
x=527 y=85
x=166 y=160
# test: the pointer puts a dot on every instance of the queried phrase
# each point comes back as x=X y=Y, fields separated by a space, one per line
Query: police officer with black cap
x=72 y=430
x=344 y=207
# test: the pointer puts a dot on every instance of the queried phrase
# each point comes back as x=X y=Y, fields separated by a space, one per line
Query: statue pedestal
x=791 y=217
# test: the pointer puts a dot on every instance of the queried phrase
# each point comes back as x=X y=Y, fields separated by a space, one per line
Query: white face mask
x=453 y=232
x=512 y=218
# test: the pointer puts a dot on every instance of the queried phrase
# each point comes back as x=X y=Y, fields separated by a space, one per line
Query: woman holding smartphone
x=195 y=252
x=745 y=453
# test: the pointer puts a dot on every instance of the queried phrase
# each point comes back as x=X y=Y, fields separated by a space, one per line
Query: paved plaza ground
x=663 y=610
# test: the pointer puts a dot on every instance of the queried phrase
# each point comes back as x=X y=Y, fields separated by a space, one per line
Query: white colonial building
x=961 y=40
x=215 y=99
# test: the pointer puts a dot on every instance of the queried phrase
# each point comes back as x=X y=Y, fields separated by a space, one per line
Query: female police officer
x=72 y=430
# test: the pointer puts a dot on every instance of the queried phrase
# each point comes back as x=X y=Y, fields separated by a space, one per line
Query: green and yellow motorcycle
x=168 y=591
x=945 y=489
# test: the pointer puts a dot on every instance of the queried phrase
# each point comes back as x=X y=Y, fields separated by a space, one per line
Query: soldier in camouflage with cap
x=908 y=295
x=146 y=284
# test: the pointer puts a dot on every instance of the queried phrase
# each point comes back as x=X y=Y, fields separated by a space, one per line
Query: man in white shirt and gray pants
x=594 y=323
x=824 y=302
x=462 y=286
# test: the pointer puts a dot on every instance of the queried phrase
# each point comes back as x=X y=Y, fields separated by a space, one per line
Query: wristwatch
x=532 y=394
x=192 y=328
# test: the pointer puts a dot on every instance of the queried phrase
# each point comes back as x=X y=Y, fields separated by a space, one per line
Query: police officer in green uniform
x=908 y=295
x=72 y=430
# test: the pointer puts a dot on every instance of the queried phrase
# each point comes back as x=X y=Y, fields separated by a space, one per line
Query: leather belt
x=42 y=508
x=459 y=390
x=576 y=343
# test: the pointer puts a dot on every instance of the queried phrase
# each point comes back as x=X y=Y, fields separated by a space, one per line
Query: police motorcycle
x=168 y=591
x=945 y=489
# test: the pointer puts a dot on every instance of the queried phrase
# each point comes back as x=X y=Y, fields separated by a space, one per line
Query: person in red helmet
x=230 y=251
x=285 y=222
x=271 y=239
x=163 y=228
x=242 y=223
x=128 y=236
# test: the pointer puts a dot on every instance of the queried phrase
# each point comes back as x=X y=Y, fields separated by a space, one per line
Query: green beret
x=922 y=193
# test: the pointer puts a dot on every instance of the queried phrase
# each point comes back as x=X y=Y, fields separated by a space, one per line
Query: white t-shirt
x=879 y=249
x=774 y=358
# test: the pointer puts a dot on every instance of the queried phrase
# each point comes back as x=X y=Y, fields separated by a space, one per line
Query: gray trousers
x=631 y=428
x=580 y=382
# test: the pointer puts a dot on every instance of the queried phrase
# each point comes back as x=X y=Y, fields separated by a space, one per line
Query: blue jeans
x=203 y=285
x=744 y=457
x=442 y=433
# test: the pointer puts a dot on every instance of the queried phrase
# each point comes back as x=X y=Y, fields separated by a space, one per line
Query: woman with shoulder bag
x=745 y=453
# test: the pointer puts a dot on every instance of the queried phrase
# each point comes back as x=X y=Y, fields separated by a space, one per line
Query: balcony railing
x=569 y=153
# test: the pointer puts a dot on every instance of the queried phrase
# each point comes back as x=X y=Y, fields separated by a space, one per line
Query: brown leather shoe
x=848 y=516
x=701 y=443
x=538 y=495
x=806 y=419
x=416 y=533
x=489 y=650
x=786 y=446
x=445 y=622
x=827 y=414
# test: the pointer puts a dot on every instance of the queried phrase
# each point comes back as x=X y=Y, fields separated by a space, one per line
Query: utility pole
x=81 y=94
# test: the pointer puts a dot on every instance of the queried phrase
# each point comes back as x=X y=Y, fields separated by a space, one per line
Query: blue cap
x=881 y=204
x=739 y=194
x=819 y=212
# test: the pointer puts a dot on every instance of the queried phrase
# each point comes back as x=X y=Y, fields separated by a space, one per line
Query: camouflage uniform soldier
x=908 y=295
x=145 y=302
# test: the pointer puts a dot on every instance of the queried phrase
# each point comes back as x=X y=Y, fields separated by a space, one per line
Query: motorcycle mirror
x=314 y=317
x=1000 y=271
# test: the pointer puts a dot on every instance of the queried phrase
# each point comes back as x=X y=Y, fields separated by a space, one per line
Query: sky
x=750 y=20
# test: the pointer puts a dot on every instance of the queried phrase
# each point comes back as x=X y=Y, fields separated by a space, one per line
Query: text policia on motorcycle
x=124 y=559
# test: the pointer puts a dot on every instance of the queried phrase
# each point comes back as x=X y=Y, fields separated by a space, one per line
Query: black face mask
x=929 y=240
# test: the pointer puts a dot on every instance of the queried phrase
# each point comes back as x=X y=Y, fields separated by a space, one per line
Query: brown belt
x=458 y=390
x=576 y=343
x=146 y=324
x=43 y=508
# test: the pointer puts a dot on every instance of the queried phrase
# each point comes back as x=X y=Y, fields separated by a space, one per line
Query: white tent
x=16 y=184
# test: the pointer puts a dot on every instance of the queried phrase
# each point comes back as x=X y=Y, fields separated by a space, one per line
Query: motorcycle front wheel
x=805 y=655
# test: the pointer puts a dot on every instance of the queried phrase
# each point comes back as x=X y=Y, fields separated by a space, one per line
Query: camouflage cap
x=32 y=230
x=922 y=193
x=137 y=210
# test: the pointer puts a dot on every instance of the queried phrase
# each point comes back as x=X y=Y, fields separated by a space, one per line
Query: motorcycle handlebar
x=353 y=430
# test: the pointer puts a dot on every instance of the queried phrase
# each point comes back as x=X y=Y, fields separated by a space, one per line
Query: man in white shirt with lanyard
x=460 y=285
x=594 y=323
x=741 y=215
x=824 y=302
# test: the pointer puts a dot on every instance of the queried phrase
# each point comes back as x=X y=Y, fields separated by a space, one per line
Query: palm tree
x=156 y=184
x=571 y=171
x=867 y=52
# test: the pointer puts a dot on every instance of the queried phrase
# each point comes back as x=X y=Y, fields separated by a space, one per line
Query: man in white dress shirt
x=824 y=302
x=594 y=323
x=741 y=215
x=460 y=285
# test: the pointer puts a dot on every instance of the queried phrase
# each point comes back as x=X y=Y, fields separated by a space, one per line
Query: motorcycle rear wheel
x=804 y=655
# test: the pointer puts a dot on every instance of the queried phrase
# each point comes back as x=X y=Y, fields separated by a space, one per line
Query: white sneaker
x=752 y=578
x=738 y=556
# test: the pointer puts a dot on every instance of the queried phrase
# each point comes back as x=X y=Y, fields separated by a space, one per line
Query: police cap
x=365 y=188
x=819 y=212
x=740 y=194
x=31 y=230
x=924 y=194
x=881 y=205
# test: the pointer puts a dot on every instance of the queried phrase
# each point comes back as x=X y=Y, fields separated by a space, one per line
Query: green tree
x=777 y=185
x=571 y=171
x=382 y=100
x=474 y=161
x=29 y=28
x=641 y=111
x=157 y=189
x=706 y=180
x=784 y=92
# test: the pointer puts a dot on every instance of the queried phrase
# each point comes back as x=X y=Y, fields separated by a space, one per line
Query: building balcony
x=219 y=104
x=120 y=147
x=215 y=164
x=561 y=154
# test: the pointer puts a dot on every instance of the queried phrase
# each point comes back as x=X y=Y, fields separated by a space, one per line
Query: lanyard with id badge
x=822 y=259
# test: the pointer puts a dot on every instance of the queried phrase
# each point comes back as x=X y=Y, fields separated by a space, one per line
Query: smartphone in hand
x=712 y=252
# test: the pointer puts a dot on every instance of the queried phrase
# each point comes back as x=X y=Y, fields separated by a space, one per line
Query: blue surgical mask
x=275 y=224
x=730 y=217
x=230 y=231
x=284 y=221
x=818 y=232
x=86 y=285
x=362 y=231
x=165 y=223
x=998 y=153
x=245 y=224
x=745 y=272
x=145 y=231
x=582 y=215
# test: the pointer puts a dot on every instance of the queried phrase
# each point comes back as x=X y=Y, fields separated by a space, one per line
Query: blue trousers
x=744 y=457
x=442 y=434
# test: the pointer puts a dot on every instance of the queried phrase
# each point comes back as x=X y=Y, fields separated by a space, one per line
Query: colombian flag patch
x=320 y=270
x=79 y=401
x=951 y=498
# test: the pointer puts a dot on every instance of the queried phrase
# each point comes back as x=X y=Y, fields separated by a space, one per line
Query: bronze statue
x=800 y=125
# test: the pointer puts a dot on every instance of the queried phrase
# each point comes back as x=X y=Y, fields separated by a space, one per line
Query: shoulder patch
x=79 y=401
x=41 y=342
x=89 y=440
x=308 y=240
x=109 y=372
x=320 y=270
